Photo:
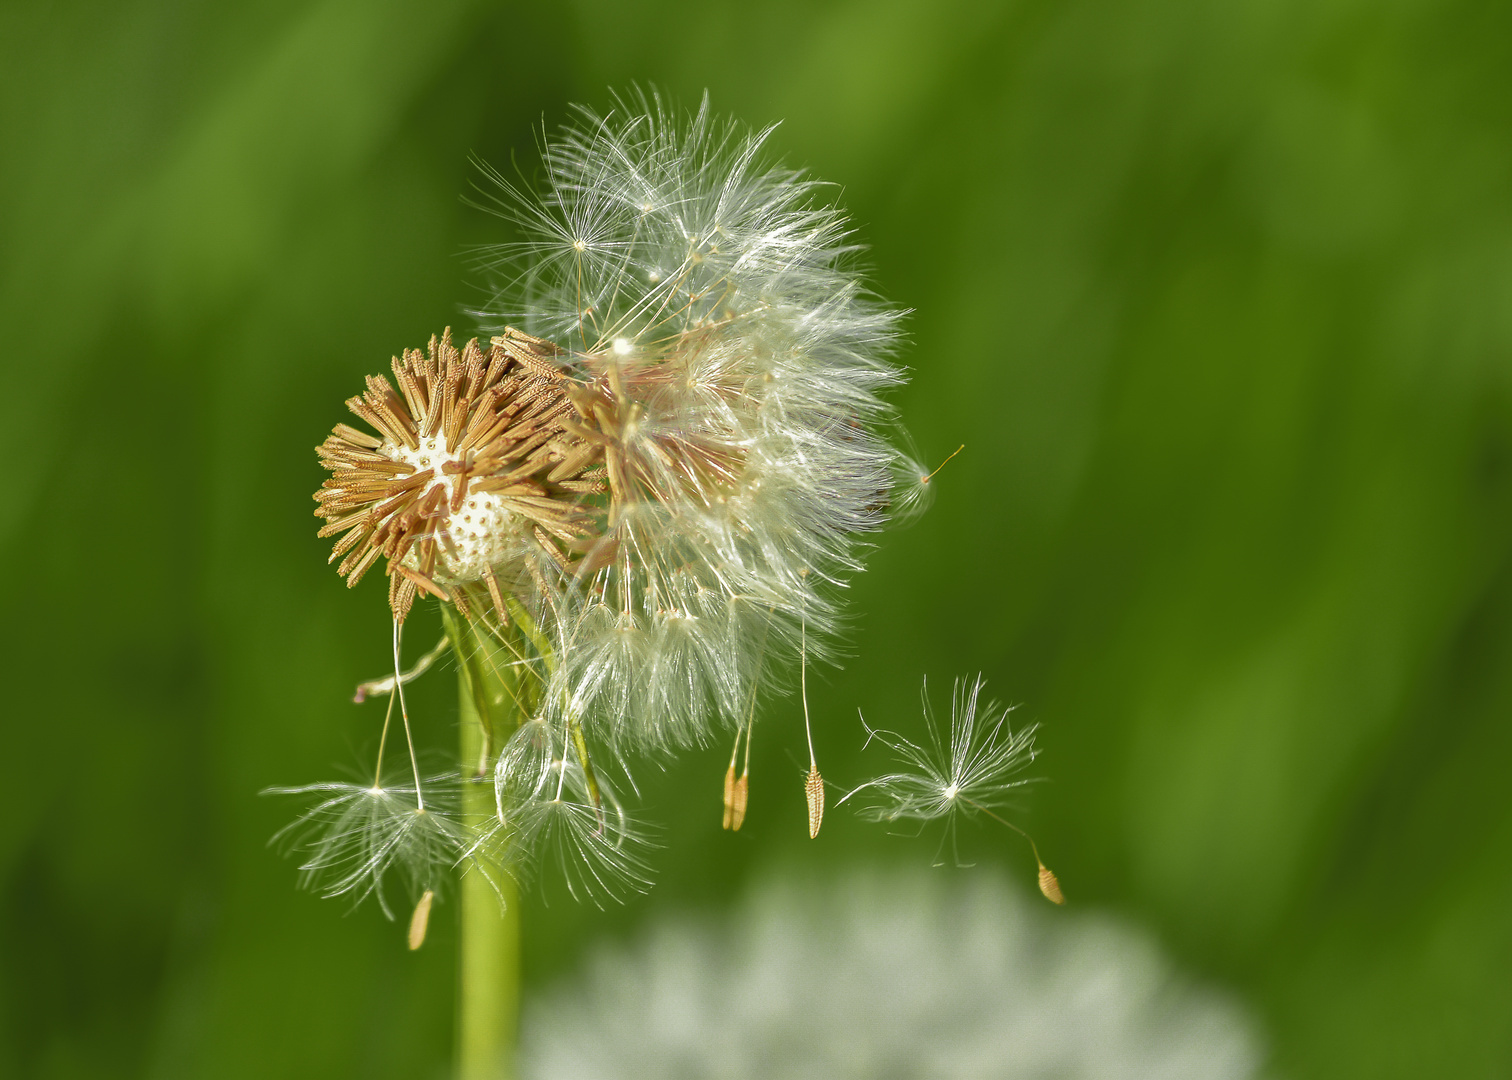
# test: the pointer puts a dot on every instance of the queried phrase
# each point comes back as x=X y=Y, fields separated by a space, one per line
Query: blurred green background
x=1219 y=297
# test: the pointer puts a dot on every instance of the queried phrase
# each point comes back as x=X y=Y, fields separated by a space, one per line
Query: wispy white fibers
x=936 y=976
x=971 y=767
x=358 y=834
x=727 y=360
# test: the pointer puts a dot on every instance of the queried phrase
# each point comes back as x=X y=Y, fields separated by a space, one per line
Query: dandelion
x=970 y=770
x=636 y=497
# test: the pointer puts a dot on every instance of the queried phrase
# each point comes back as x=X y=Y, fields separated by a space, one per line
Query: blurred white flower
x=888 y=975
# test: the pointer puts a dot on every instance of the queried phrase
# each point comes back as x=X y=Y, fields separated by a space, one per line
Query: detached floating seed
x=420 y=920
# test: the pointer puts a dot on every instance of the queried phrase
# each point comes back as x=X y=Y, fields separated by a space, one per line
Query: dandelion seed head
x=645 y=487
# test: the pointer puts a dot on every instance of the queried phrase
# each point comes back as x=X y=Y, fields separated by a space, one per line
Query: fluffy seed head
x=645 y=502
x=680 y=457
x=727 y=361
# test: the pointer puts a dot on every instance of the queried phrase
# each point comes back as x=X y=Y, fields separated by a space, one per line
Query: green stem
x=488 y=989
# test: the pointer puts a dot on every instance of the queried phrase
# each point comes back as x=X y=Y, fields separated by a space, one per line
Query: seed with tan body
x=813 y=788
x=741 y=796
x=420 y=921
x=1050 y=886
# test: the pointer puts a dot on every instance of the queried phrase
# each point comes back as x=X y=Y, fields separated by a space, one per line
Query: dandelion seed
x=409 y=738
x=1050 y=886
x=357 y=835
x=813 y=790
x=729 y=789
x=969 y=771
x=549 y=804
x=813 y=783
x=738 y=790
x=913 y=482
x=930 y=476
x=420 y=919
x=600 y=857
x=973 y=765
x=741 y=798
x=385 y=685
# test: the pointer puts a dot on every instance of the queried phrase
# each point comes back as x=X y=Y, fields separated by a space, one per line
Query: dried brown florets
x=479 y=464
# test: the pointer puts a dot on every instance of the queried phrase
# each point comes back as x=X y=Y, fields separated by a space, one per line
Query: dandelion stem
x=488 y=988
